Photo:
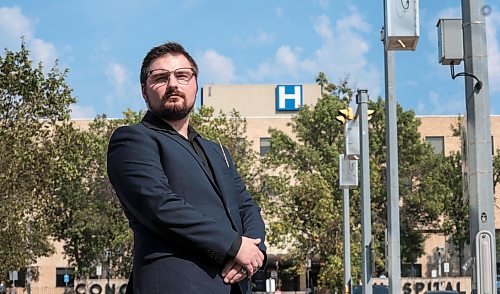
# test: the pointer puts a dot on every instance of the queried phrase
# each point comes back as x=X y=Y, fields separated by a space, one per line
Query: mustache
x=172 y=92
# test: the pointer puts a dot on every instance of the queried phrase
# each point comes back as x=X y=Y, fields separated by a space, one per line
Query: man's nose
x=172 y=81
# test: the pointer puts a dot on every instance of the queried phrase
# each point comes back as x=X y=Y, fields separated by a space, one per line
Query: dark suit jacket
x=184 y=222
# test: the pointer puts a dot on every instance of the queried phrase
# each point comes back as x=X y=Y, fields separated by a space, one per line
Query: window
x=265 y=146
x=437 y=143
x=60 y=272
x=21 y=277
x=239 y=147
x=411 y=270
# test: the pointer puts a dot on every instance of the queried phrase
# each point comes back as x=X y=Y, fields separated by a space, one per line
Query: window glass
x=60 y=272
x=437 y=143
x=265 y=146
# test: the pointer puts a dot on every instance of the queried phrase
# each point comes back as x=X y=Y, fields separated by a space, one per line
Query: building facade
x=272 y=106
x=267 y=106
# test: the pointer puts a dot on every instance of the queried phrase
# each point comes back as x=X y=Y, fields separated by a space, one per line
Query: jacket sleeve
x=136 y=173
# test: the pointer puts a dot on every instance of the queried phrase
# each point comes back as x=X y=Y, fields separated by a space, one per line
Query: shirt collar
x=153 y=122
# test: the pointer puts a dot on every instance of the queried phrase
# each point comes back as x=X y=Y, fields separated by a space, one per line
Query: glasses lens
x=183 y=75
x=159 y=76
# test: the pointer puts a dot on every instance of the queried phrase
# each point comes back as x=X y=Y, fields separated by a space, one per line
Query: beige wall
x=47 y=267
x=252 y=100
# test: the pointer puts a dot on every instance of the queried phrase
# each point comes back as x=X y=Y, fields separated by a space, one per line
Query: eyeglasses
x=162 y=76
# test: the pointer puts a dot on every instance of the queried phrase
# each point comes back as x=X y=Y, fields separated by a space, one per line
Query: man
x=196 y=228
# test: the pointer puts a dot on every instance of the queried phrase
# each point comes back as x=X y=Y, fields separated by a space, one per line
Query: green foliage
x=30 y=104
x=89 y=217
x=421 y=186
x=303 y=204
x=230 y=131
x=53 y=176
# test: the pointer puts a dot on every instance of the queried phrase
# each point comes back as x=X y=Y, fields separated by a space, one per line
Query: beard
x=174 y=111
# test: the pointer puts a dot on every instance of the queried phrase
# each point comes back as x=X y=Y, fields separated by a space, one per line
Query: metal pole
x=366 y=223
x=393 y=237
x=28 y=279
x=479 y=159
x=347 y=243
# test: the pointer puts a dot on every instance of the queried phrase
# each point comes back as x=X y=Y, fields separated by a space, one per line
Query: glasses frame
x=169 y=73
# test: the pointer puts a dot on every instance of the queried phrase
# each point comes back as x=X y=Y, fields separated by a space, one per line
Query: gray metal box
x=348 y=172
x=351 y=135
x=402 y=25
x=450 y=41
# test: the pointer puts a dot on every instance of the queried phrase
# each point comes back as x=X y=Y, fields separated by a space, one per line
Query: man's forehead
x=177 y=59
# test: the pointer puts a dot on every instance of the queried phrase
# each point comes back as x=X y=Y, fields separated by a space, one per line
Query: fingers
x=246 y=263
x=236 y=274
x=249 y=253
x=229 y=265
x=256 y=241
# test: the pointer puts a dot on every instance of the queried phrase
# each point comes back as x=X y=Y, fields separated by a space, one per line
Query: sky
x=102 y=44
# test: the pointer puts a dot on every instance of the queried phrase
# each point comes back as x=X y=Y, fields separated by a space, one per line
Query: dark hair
x=171 y=48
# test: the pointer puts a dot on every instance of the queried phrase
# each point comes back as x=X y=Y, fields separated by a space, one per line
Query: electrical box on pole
x=348 y=176
x=486 y=278
x=450 y=41
x=352 y=139
x=401 y=30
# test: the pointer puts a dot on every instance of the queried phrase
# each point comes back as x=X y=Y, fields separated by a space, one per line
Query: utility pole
x=391 y=138
x=478 y=157
x=366 y=222
x=348 y=179
x=400 y=33
x=347 y=242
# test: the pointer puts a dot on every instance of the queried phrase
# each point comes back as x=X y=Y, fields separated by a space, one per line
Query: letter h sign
x=288 y=97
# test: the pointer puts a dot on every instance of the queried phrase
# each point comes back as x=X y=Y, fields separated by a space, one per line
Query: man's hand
x=233 y=272
x=248 y=259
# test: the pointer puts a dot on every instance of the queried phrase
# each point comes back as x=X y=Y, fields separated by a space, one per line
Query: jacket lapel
x=215 y=157
x=151 y=122
x=220 y=166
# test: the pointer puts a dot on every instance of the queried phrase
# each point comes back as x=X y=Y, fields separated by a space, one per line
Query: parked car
x=377 y=289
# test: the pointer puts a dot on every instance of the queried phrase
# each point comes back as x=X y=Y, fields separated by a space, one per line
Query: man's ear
x=143 y=91
x=144 y=95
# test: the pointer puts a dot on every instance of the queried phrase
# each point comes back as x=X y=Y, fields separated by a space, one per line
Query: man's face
x=171 y=86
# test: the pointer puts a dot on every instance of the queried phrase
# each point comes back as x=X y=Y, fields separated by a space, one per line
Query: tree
x=84 y=211
x=303 y=206
x=302 y=184
x=421 y=186
x=89 y=218
x=230 y=131
x=31 y=102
